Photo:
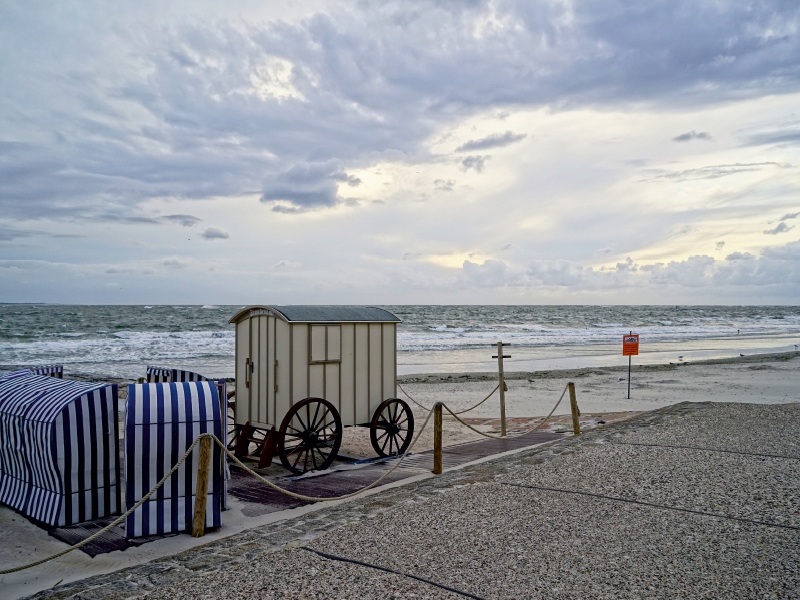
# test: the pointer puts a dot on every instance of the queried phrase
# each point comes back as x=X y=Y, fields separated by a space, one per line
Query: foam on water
x=120 y=340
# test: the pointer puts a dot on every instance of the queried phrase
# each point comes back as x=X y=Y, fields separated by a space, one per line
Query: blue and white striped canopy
x=51 y=370
x=169 y=375
x=59 y=458
x=161 y=421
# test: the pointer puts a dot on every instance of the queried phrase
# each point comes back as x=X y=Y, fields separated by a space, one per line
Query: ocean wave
x=200 y=335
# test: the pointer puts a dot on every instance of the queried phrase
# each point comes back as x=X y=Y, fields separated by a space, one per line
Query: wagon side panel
x=347 y=376
x=361 y=368
x=316 y=380
x=389 y=361
x=269 y=365
x=242 y=377
x=299 y=341
x=262 y=402
x=375 y=366
x=332 y=384
x=282 y=382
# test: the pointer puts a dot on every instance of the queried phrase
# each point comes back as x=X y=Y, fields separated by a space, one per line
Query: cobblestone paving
x=470 y=530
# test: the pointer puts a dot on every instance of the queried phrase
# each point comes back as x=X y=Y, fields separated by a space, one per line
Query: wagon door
x=260 y=380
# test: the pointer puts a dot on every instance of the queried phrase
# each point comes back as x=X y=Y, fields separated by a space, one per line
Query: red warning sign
x=630 y=345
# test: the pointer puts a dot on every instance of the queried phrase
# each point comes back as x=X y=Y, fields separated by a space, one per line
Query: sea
x=121 y=341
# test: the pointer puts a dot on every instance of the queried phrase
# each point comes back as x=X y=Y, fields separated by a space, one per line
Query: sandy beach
x=764 y=380
x=761 y=379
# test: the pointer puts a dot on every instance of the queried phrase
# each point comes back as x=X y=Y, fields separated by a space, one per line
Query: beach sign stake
x=630 y=348
x=500 y=356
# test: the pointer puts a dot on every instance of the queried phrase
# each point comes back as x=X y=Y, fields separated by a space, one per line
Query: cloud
x=709 y=172
x=8 y=234
x=496 y=140
x=505 y=246
x=444 y=185
x=307 y=185
x=692 y=135
x=476 y=162
x=212 y=233
x=786 y=133
x=183 y=220
x=283 y=264
x=492 y=273
x=740 y=256
x=780 y=228
x=204 y=106
x=719 y=246
x=172 y=263
x=788 y=216
x=603 y=252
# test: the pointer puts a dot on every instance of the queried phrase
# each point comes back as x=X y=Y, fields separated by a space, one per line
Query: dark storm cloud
x=692 y=135
x=496 y=140
x=199 y=107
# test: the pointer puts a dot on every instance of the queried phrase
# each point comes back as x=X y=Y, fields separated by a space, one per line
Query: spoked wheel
x=310 y=436
x=233 y=429
x=392 y=427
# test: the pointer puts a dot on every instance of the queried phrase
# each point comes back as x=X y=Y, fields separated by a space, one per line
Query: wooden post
x=437 y=438
x=502 y=388
x=201 y=492
x=573 y=404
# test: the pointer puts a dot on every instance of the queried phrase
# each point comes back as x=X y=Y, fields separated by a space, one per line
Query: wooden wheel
x=392 y=427
x=310 y=436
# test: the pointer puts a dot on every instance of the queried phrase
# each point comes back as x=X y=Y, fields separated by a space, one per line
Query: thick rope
x=277 y=488
x=314 y=498
x=461 y=412
x=508 y=437
x=216 y=440
x=119 y=519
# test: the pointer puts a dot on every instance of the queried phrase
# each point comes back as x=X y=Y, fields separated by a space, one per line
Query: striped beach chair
x=161 y=421
x=59 y=458
x=168 y=375
x=49 y=370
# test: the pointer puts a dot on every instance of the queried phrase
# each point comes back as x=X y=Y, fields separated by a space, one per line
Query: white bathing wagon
x=304 y=372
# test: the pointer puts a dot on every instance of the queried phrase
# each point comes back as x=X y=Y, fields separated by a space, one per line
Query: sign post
x=630 y=347
x=500 y=356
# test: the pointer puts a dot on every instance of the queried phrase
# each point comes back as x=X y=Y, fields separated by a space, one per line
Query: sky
x=455 y=152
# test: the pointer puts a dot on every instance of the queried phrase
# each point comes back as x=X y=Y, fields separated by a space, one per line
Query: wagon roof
x=324 y=314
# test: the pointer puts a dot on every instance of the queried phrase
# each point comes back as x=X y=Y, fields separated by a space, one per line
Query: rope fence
x=119 y=519
x=461 y=412
x=508 y=437
x=277 y=488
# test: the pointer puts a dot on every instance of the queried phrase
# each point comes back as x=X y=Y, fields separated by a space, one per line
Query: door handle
x=247 y=370
x=275 y=378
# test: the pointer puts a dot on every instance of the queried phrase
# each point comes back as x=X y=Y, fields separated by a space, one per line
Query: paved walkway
x=695 y=501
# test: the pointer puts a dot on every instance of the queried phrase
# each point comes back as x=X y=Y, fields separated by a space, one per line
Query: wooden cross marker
x=500 y=356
